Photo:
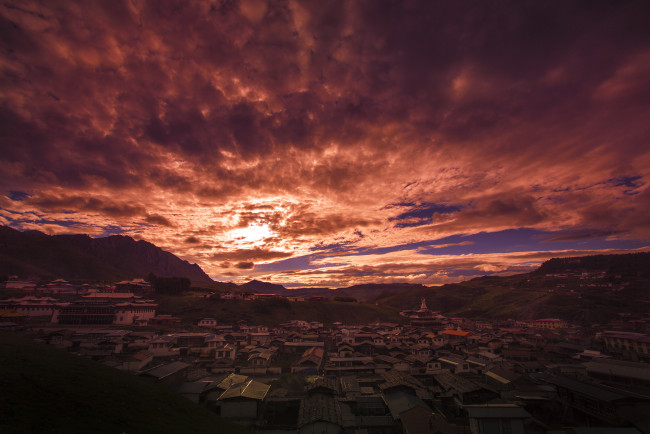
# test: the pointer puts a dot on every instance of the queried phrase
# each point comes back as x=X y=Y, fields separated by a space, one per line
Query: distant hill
x=193 y=307
x=563 y=292
x=371 y=291
x=362 y=293
x=82 y=257
x=46 y=390
x=264 y=287
x=631 y=264
x=613 y=284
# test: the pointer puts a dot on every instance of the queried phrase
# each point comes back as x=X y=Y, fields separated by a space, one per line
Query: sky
x=332 y=143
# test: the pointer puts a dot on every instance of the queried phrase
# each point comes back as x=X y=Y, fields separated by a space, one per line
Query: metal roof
x=591 y=390
x=399 y=402
x=620 y=368
x=163 y=371
x=251 y=389
x=319 y=408
x=461 y=385
x=230 y=380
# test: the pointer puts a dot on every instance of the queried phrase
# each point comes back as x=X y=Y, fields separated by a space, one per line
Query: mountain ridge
x=79 y=256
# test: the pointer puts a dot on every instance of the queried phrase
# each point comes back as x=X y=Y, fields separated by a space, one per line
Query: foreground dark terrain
x=46 y=390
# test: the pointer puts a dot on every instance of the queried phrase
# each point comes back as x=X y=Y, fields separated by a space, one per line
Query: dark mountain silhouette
x=34 y=253
x=630 y=264
x=265 y=287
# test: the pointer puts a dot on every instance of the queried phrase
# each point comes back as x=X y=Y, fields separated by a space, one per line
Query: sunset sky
x=331 y=143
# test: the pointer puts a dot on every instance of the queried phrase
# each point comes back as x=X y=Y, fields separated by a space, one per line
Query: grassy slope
x=521 y=297
x=45 y=390
x=193 y=307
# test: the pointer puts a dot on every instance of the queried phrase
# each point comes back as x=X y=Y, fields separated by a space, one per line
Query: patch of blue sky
x=422 y=214
x=507 y=241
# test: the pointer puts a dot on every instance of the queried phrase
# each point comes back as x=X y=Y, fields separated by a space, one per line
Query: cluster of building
x=61 y=302
x=432 y=374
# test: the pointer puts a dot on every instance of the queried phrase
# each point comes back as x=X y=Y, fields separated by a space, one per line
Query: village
x=428 y=374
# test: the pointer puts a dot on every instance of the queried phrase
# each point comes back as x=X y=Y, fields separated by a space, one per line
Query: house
x=349 y=365
x=455 y=333
x=242 y=402
x=225 y=351
x=629 y=344
x=399 y=403
x=344 y=350
x=496 y=419
x=320 y=414
x=196 y=391
x=455 y=363
x=598 y=404
x=462 y=391
x=296 y=298
x=260 y=359
x=433 y=367
x=191 y=340
x=391 y=363
x=13 y=317
x=324 y=386
x=24 y=285
x=620 y=371
x=137 y=313
x=550 y=323
x=84 y=312
x=162 y=347
x=100 y=349
x=168 y=373
x=300 y=346
x=134 y=362
x=224 y=359
x=31 y=306
x=310 y=362
x=207 y=322
x=502 y=377
x=136 y=286
x=260 y=338
x=417 y=420
x=350 y=386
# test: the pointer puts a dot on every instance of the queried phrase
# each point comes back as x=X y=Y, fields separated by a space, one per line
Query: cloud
x=358 y=124
x=245 y=255
x=245 y=265
x=581 y=235
x=158 y=220
x=100 y=204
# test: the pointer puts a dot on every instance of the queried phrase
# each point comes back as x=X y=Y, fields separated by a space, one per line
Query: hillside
x=613 y=284
x=587 y=289
x=629 y=265
x=264 y=287
x=75 y=257
x=45 y=390
x=362 y=293
x=192 y=307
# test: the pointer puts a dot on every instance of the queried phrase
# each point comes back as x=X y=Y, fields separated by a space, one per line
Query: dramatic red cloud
x=240 y=133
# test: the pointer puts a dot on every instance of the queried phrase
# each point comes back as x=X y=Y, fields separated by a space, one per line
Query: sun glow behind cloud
x=251 y=235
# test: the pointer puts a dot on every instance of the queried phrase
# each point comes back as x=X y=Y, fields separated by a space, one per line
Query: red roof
x=455 y=333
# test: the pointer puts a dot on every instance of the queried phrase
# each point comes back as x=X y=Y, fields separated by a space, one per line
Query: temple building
x=424 y=317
